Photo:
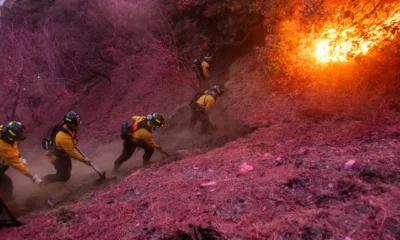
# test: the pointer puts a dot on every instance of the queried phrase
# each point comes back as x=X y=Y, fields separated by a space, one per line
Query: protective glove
x=36 y=179
x=86 y=161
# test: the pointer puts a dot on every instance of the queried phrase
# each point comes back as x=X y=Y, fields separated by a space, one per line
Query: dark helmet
x=218 y=89
x=14 y=131
x=208 y=57
x=156 y=119
x=72 y=119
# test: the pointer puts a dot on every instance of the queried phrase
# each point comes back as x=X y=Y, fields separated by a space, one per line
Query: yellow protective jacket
x=143 y=134
x=205 y=67
x=207 y=101
x=67 y=143
x=10 y=154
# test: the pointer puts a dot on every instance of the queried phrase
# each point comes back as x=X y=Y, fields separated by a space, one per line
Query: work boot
x=213 y=129
x=116 y=168
x=205 y=129
x=146 y=163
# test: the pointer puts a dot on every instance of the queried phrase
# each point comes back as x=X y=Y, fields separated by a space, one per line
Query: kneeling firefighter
x=140 y=135
x=61 y=145
x=202 y=105
x=10 y=134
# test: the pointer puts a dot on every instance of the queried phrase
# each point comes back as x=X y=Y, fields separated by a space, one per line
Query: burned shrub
x=298 y=183
x=197 y=233
x=311 y=233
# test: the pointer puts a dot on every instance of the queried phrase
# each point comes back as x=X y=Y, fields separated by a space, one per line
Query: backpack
x=3 y=168
x=127 y=130
x=48 y=141
x=197 y=65
x=198 y=95
x=141 y=124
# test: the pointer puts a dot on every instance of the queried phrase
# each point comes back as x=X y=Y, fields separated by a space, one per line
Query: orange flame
x=343 y=45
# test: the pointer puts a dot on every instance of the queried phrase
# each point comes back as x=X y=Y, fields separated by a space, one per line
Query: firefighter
x=140 y=135
x=202 y=105
x=64 y=149
x=202 y=67
x=10 y=134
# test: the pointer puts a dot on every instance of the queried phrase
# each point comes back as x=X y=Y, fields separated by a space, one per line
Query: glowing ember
x=343 y=45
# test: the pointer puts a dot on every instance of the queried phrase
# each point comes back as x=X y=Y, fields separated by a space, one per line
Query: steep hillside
x=285 y=180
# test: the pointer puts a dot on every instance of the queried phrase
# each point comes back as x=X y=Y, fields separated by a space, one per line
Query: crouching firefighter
x=61 y=147
x=10 y=134
x=202 y=105
x=202 y=67
x=140 y=135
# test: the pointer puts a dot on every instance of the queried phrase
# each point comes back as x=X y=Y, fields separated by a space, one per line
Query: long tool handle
x=166 y=154
x=91 y=164
x=80 y=152
x=47 y=192
x=96 y=169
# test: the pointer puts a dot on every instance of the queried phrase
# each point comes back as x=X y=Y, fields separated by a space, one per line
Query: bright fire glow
x=343 y=45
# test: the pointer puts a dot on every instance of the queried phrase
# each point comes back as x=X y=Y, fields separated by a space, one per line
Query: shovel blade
x=6 y=223
x=17 y=224
x=102 y=177
x=51 y=202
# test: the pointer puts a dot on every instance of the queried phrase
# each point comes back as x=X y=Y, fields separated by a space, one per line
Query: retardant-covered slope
x=288 y=179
